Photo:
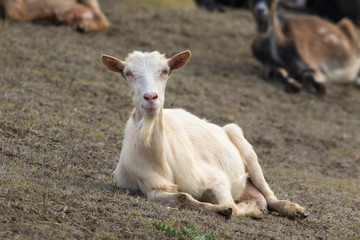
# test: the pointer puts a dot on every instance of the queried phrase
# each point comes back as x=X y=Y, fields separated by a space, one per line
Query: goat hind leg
x=347 y=27
x=100 y=20
x=284 y=208
x=287 y=209
x=16 y=10
x=82 y=17
x=249 y=156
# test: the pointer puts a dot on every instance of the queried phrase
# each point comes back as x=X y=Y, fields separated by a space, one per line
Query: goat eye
x=128 y=74
x=165 y=72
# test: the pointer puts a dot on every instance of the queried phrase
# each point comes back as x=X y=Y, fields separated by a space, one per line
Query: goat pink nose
x=150 y=97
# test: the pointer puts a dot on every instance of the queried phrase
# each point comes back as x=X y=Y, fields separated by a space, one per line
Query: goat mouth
x=150 y=110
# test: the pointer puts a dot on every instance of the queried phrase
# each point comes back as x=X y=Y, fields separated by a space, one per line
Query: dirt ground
x=62 y=116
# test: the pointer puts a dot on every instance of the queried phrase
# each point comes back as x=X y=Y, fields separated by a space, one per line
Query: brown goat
x=85 y=15
x=304 y=50
x=334 y=10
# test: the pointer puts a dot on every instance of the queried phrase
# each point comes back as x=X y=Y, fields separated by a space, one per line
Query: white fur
x=174 y=153
x=322 y=30
x=331 y=38
x=348 y=73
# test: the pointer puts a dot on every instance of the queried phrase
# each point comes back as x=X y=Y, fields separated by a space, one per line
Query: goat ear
x=112 y=63
x=179 y=60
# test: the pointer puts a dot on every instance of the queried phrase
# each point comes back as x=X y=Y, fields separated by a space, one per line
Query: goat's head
x=147 y=74
x=261 y=10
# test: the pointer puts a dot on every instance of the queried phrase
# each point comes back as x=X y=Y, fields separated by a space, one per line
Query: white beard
x=145 y=129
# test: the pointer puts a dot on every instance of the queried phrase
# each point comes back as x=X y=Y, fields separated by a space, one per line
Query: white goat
x=173 y=156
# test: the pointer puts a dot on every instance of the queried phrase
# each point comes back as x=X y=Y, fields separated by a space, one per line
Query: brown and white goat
x=176 y=157
x=305 y=48
x=85 y=15
x=334 y=10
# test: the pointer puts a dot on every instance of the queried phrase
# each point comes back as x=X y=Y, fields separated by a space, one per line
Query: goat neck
x=275 y=25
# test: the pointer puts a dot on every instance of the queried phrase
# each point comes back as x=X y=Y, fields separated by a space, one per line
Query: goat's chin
x=151 y=111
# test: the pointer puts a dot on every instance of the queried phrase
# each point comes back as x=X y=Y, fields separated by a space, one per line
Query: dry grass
x=62 y=117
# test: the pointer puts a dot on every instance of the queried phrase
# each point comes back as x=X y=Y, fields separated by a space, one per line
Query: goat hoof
x=320 y=89
x=313 y=85
x=301 y=215
x=80 y=29
x=226 y=213
x=290 y=88
x=182 y=198
x=258 y=213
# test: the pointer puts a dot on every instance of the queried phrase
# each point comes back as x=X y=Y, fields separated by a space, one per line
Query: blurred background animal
x=218 y=5
x=84 y=15
x=333 y=10
x=304 y=50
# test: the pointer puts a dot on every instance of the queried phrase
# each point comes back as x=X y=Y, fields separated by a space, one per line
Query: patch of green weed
x=188 y=232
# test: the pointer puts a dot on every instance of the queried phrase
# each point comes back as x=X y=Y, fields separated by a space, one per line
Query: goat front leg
x=284 y=208
x=185 y=200
x=281 y=75
x=313 y=81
